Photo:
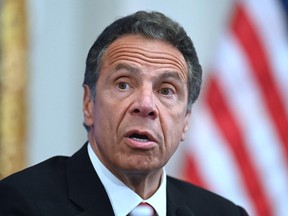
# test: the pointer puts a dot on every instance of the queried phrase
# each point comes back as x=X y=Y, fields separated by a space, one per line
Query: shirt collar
x=122 y=198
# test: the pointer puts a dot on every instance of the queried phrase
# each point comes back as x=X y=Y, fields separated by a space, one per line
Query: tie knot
x=143 y=209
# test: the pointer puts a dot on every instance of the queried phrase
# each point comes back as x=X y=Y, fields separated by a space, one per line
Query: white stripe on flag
x=243 y=97
x=271 y=26
x=260 y=136
x=218 y=169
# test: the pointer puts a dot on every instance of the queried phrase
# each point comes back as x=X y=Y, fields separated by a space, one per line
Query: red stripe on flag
x=192 y=173
x=251 y=42
x=234 y=138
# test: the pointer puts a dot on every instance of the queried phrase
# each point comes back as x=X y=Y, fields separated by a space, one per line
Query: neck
x=145 y=185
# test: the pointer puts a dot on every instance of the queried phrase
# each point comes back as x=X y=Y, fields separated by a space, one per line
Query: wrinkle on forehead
x=146 y=51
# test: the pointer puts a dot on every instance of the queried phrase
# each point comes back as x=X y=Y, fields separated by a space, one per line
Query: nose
x=144 y=104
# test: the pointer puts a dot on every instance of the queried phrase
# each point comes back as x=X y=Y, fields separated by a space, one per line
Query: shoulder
x=193 y=191
x=202 y=200
x=36 y=177
x=19 y=191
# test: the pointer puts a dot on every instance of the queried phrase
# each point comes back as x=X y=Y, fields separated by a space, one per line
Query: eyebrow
x=165 y=75
x=127 y=67
x=171 y=74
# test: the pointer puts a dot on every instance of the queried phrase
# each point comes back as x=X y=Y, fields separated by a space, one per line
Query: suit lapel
x=175 y=199
x=87 y=192
x=84 y=186
x=172 y=199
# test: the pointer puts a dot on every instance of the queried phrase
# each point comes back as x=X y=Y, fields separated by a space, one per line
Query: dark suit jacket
x=64 y=186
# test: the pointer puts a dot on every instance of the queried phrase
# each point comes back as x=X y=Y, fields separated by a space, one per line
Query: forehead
x=142 y=51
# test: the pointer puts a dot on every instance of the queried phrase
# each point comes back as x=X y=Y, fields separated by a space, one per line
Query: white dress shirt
x=122 y=198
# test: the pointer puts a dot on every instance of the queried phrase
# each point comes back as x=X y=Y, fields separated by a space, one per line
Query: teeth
x=140 y=140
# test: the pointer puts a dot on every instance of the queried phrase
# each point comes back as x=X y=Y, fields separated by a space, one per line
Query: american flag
x=237 y=145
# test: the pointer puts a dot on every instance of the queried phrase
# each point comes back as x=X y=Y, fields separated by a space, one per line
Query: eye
x=166 y=91
x=123 y=85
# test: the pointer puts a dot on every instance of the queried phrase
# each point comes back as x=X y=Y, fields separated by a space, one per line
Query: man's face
x=139 y=114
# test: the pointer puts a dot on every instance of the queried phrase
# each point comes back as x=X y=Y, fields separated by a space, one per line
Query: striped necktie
x=143 y=209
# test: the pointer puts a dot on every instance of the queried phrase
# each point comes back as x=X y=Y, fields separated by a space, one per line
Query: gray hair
x=153 y=25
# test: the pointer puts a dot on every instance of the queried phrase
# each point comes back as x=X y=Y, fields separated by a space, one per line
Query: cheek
x=173 y=130
x=107 y=119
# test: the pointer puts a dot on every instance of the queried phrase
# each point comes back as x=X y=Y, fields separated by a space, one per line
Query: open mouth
x=139 y=137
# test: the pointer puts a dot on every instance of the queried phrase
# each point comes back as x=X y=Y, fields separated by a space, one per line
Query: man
x=142 y=76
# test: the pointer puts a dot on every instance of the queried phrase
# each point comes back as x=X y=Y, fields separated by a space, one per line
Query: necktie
x=143 y=209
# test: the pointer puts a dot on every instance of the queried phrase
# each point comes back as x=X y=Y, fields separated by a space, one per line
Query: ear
x=186 y=125
x=87 y=106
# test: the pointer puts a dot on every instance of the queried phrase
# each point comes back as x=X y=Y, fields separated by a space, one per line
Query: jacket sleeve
x=14 y=203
